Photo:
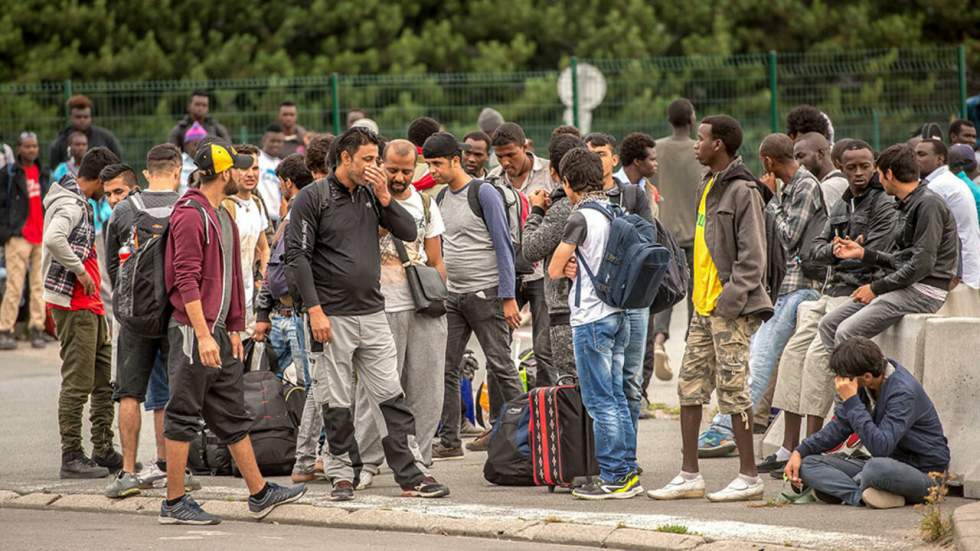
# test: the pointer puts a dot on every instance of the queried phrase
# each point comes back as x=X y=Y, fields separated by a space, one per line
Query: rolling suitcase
x=561 y=436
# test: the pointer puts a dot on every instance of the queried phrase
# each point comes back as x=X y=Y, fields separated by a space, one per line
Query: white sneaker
x=152 y=477
x=880 y=499
x=365 y=481
x=680 y=488
x=739 y=490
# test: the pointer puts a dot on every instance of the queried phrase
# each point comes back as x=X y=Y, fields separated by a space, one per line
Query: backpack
x=676 y=280
x=633 y=263
x=207 y=455
x=516 y=208
x=509 y=452
x=814 y=227
x=275 y=278
x=140 y=301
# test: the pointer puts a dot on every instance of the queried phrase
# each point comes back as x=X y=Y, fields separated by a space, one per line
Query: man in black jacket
x=805 y=386
x=333 y=253
x=197 y=111
x=23 y=185
x=920 y=270
x=80 y=119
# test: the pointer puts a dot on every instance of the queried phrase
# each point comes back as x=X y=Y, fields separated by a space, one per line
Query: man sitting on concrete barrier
x=921 y=268
x=895 y=419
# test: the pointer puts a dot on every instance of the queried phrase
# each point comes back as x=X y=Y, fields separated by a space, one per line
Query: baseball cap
x=443 y=144
x=216 y=156
x=962 y=157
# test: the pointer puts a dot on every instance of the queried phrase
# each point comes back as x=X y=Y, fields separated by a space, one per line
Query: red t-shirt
x=34 y=226
x=81 y=301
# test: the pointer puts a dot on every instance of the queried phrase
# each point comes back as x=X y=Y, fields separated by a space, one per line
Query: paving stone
x=83 y=502
x=566 y=533
x=7 y=495
x=307 y=515
x=650 y=540
x=33 y=501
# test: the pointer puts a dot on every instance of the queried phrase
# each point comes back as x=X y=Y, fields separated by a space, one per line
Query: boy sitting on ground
x=897 y=422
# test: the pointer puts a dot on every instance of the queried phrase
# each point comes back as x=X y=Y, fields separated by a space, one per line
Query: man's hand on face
x=378 y=181
x=540 y=199
x=847 y=387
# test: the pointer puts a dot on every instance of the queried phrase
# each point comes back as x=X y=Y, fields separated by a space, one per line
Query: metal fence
x=880 y=96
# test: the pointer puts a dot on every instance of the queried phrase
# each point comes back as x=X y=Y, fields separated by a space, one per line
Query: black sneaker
x=442 y=453
x=275 y=495
x=624 y=488
x=76 y=465
x=186 y=511
x=37 y=340
x=771 y=464
x=427 y=487
x=343 y=490
x=7 y=341
x=112 y=460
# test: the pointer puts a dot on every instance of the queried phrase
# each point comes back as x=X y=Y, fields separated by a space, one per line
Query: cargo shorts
x=717 y=357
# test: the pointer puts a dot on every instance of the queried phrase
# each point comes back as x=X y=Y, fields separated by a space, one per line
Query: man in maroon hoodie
x=204 y=280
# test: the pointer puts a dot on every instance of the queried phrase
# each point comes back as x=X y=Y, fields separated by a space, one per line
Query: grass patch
x=673 y=529
x=659 y=406
x=936 y=526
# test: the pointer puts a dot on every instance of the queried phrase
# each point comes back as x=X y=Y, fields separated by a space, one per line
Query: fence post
x=876 y=129
x=67 y=89
x=773 y=92
x=335 y=102
x=243 y=134
x=961 y=66
x=574 y=68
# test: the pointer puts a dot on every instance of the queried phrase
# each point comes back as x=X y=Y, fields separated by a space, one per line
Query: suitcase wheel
x=551 y=489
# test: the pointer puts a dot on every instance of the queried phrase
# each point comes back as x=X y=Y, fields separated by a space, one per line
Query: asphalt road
x=49 y=530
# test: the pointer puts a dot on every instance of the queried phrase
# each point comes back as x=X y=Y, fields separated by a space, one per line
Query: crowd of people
x=368 y=264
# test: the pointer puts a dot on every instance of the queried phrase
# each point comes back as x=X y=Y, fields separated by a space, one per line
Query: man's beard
x=231 y=188
x=398 y=187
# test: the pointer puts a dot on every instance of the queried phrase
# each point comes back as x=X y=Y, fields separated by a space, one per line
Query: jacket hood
x=67 y=188
x=874 y=185
x=738 y=171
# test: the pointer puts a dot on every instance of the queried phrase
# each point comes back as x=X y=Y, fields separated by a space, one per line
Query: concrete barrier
x=952 y=380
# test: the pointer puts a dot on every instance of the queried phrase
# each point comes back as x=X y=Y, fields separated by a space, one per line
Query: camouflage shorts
x=717 y=356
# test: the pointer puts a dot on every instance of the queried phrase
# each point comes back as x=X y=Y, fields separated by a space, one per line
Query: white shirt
x=959 y=199
x=186 y=168
x=590 y=246
x=251 y=224
x=268 y=186
x=394 y=283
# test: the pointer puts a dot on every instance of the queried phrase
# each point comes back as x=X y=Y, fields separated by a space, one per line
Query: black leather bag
x=428 y=290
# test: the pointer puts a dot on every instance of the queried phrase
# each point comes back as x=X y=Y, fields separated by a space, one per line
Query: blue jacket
x=903 y=426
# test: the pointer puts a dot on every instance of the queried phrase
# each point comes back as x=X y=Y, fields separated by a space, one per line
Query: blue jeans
x=158 y=389
x=599 y=355
x=287 y=340
x=846 y=477
x=766 y=347
x=639 y=320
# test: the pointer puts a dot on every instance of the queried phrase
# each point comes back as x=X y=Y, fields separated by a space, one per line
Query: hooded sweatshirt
x=69 y=248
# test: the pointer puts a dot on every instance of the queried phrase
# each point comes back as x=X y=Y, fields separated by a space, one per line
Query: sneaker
x=365 y=480
x=299 y=477
x=186 y=511
x=826 y=499
x=152 y=477
x=275 y=495
x=481 y=444
x=739 y=490
x=37 y=340
x=880 y=499
x=469 y=430
x=78 y=466
x=661 y=364
x=427 y=487
x=712 y=443
x=772 y=464
x=680 y=488
x=318 y=466
x=624 y=488
x=123 y=485
x=7 y=341
x=442 y=453
x=112 y=460
x=343 y=490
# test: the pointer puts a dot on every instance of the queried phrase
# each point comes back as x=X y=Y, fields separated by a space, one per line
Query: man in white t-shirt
x=251 y=214
x=600 y=332
x=419 y=339
x=268 y=182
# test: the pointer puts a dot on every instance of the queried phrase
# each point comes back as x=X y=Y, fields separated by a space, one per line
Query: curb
x=966 y=527
x=561 y=533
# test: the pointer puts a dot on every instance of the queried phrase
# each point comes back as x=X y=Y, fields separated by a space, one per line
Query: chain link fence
x=879 y=96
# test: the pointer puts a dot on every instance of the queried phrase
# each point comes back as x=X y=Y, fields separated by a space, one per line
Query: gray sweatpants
x=855 y=319
x=308 y=437
x=421 y=344
x=363 y=347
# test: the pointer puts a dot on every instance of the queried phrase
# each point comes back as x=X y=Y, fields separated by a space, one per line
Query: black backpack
x=674 y=285
x=509 y=453
x=207 y=455
x=140 y=300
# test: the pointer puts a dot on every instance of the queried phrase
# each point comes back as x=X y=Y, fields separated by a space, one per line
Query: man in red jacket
x=204 y=279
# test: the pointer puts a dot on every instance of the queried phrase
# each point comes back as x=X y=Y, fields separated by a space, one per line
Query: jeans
x=533 y=292
x=600 y=350
x=767 y=345
x=287 y=340
x=481 y=313
x=855 y=319
x=633 y=387
x=847 y=477
x=158 y=390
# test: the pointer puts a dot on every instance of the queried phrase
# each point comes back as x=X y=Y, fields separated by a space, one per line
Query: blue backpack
x=633 y=263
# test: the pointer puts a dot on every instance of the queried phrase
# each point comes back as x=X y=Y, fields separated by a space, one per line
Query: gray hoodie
x=69 y=238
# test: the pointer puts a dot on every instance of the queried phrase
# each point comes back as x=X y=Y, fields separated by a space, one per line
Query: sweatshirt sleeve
x=300 y=239
x=928 y=235
x=67 y=214
x=835 y=432
x=882 y=439
x=542 y=232
x=496 y=220
x=187 y=235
